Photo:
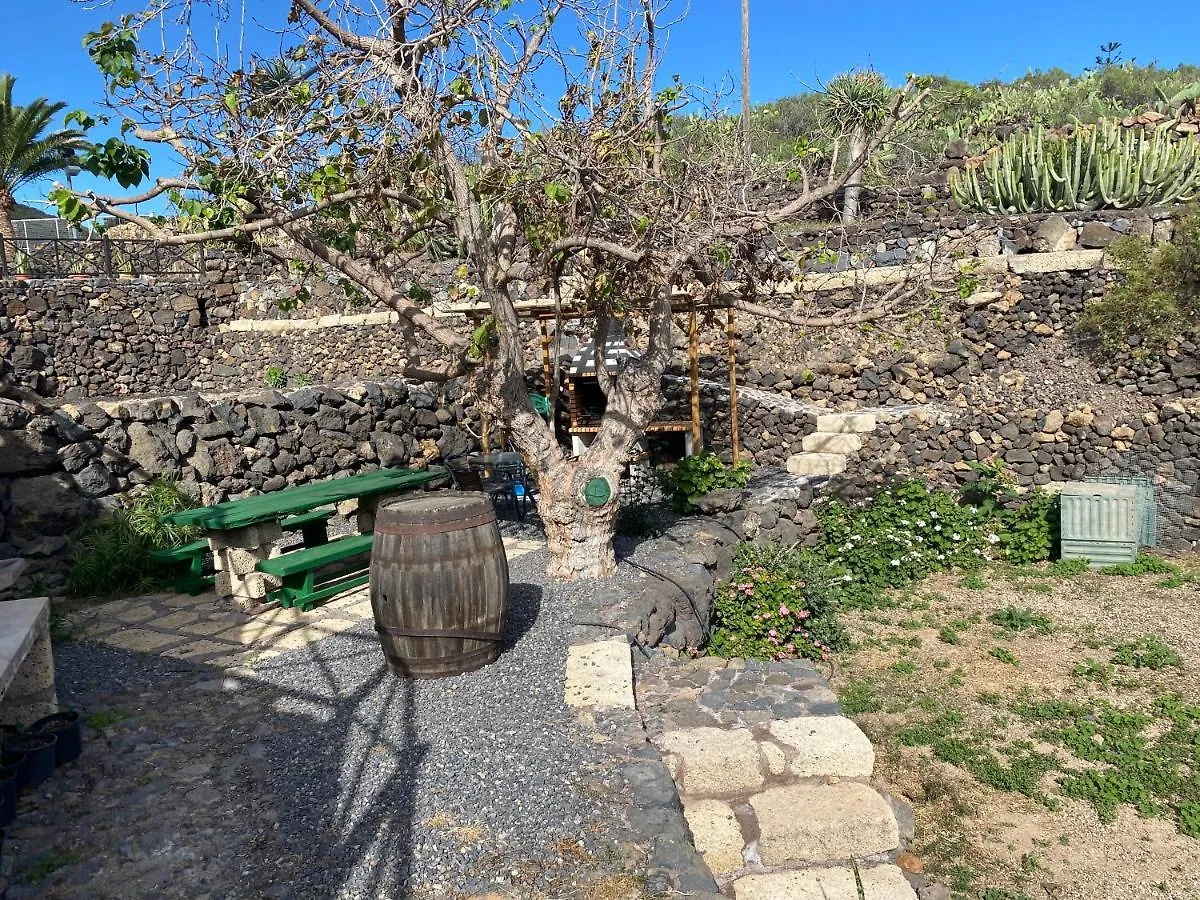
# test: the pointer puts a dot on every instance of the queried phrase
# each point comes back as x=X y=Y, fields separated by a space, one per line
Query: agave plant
x=1094 y=167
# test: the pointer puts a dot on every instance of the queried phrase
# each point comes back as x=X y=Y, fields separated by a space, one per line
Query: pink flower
x=771 y=632
x=802 y=614
x=784 y=611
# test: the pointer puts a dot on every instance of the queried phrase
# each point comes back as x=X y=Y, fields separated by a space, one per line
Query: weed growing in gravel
x=974 y=582
x=49 y=863
x=858 y=697
x=1147 y=652
x=1146 y=759
x=904 y=667
x=1093 y=670
x=1069 y=567
x=1005 y=656
x=1144 y=565
x=1021 y=618
x=949 y=635
x=106 y=718
x=1177 y=580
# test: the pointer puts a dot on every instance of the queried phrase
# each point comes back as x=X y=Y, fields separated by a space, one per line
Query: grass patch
x=904 y=667
x=858 y=698
x=1093 y=670
x=1021 y=618
x=1065 y=568
x=974 y=582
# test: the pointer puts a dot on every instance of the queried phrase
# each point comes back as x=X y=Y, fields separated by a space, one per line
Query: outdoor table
x=242 y=532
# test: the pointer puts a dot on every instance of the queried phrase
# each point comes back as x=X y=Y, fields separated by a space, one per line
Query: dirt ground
x=935 y=657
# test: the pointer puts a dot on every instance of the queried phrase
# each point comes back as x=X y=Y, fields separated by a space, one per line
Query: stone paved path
x=775 y=782
x=206 y=630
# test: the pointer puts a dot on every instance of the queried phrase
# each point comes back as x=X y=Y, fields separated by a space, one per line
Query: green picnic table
x=242 y=534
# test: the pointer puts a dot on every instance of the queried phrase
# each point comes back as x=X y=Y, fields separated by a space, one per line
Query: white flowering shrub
x=902 y=534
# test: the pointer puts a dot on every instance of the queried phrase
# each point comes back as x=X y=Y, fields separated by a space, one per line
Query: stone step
x=816 y=464
x=835 y=423
x=712 y=762
x=878 y=883
x=823 y=823
x=599 y=675
x=831 y=442
x=818 y=746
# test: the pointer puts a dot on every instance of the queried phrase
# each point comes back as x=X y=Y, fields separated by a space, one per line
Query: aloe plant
x=1099 y=166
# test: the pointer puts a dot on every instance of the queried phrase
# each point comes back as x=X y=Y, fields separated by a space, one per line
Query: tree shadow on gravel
x=355 y=769
x=320 y=778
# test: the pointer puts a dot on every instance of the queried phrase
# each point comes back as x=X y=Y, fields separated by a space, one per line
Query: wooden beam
x=734 y=438
x=547 y=386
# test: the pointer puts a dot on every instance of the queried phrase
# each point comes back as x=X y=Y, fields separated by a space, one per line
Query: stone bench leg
x=235 y=554
x=31 y=694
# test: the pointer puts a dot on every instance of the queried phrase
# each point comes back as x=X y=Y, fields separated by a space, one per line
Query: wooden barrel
x=439 y=583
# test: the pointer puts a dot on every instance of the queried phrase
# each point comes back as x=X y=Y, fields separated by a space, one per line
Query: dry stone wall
x=62 y=465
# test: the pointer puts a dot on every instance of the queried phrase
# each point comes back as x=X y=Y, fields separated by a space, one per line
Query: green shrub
x=1157 y=300
x=1028 y=526
x=1147 y=652
x=1145 y=564
x=775 y=606
x=701 y=474
x=640 y=520
x=111 y=554
x=904 y=533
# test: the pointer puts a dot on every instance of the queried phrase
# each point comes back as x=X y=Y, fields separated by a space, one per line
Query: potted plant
x=20 y=266
x=64 y=725
x=39 y=748
x=82 y=267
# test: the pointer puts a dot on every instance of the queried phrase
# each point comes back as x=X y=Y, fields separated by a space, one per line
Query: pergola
x=546 y=310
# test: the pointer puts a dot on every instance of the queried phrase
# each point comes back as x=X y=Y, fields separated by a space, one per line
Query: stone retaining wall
x=61 y=466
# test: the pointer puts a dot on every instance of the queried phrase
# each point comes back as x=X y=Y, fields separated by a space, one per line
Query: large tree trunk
x=578 y=535
x=857 y=148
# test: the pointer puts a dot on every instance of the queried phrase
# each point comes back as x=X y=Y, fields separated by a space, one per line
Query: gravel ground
x=318 y=774
x=484 y=778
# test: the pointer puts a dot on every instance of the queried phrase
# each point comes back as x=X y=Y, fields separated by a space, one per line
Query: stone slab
x=878 y=883
x=712 y=762
x=836 y=423
x=716 y=834
x=816 y=464
x=825 y=745
x=1064 y=261
x=599 y=675
x=822 y=442
x=22 y=622
x=139 y=640
x=821 y=823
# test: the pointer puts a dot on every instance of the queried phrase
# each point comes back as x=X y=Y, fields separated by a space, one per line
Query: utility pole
x=746 y=82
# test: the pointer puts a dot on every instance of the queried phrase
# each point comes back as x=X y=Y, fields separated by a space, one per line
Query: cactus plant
x=1094 y=167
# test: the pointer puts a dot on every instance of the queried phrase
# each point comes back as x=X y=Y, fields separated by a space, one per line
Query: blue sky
x=794 y=44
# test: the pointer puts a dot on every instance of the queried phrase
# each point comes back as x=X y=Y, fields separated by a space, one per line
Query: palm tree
x=28 y=151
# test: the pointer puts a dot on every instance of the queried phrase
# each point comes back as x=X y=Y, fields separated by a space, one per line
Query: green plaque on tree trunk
x=597 y=491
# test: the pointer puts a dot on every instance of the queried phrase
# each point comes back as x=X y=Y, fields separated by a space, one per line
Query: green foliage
x=641 y=520
x=483 y=338
x=858 y=698
x=1020 y=618
x=906 y=532
x=1158 y=298
x=1005 y=656
x=275 y=377
x=29 y=149
x=1145 y=564
x=1093 y=167
x=700 y=474
x=1093 y=670
x=1069 y=567
x=973 y=581
x=775 y=606
x=1027 y=526
x=110 y=555
x=1145 y=759
x=106 y=718
x=1147 y=652
x=47 y=864
x=113 y=48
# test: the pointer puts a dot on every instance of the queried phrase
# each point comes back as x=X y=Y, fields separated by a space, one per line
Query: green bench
x=187 y=562
x=298 y=571
x=313 y=525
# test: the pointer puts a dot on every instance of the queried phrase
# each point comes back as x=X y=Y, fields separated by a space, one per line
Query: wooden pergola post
x=546 y=377
x=694 y=353
x=734 y=439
